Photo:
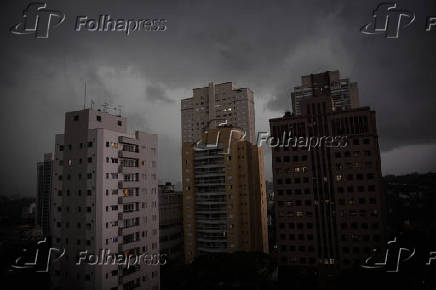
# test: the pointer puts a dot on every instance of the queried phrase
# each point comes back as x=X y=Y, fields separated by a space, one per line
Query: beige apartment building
x=105 y=198
x=224 y=194
x=215 y=104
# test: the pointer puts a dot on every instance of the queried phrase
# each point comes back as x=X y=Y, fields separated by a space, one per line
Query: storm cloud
x=266 y=46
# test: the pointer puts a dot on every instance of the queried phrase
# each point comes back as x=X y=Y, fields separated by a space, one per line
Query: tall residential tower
x=329 y=200
x=224 y=194
x=215 y=104
x=104 y=199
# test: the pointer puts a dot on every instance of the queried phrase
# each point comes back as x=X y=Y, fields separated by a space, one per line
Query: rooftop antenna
x=120 y=110
x=105 y=107
x=84 y=97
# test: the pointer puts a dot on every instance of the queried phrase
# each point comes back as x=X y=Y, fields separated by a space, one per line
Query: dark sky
x=263 y=45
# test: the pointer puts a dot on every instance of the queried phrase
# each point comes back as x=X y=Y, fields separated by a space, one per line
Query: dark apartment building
x=44 y=183
x=171 y=221
x=329 y=199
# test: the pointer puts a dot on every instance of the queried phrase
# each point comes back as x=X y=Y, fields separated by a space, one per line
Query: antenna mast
x=84 y=98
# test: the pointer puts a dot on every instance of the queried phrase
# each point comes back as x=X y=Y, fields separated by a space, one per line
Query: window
x=76 y=118
x=99 y=118
x=90 y=144
x=120 y=123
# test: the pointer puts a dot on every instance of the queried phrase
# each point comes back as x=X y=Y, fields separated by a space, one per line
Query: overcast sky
x=263 y=45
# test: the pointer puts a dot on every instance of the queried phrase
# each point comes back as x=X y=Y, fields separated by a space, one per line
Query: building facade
x=329 y=199
x=104 y=202
x=215 y=104
x=224 y=194
x=44 y=190
x=171 y=222
x=344 y=94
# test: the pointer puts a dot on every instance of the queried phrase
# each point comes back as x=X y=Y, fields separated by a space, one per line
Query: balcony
x=203 y=184
x=210 y=230
x=128 y=184
x=130 y=245
x=213 y=250
x=128 y=154
x=206 y=201
x=205 y=157
x=128 y=169
x=209 y=165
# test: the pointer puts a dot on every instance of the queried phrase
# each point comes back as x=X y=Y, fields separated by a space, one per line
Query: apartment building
x=329 y=200
x=343 y=93
x=44 y=173
x=104 y=199
x=215 y=104
x=224 y=194
x=171 y=221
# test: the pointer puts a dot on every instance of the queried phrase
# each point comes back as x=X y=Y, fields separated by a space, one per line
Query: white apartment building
x=104 y=199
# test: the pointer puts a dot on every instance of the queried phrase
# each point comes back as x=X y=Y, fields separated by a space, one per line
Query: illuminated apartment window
x=339 y=177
